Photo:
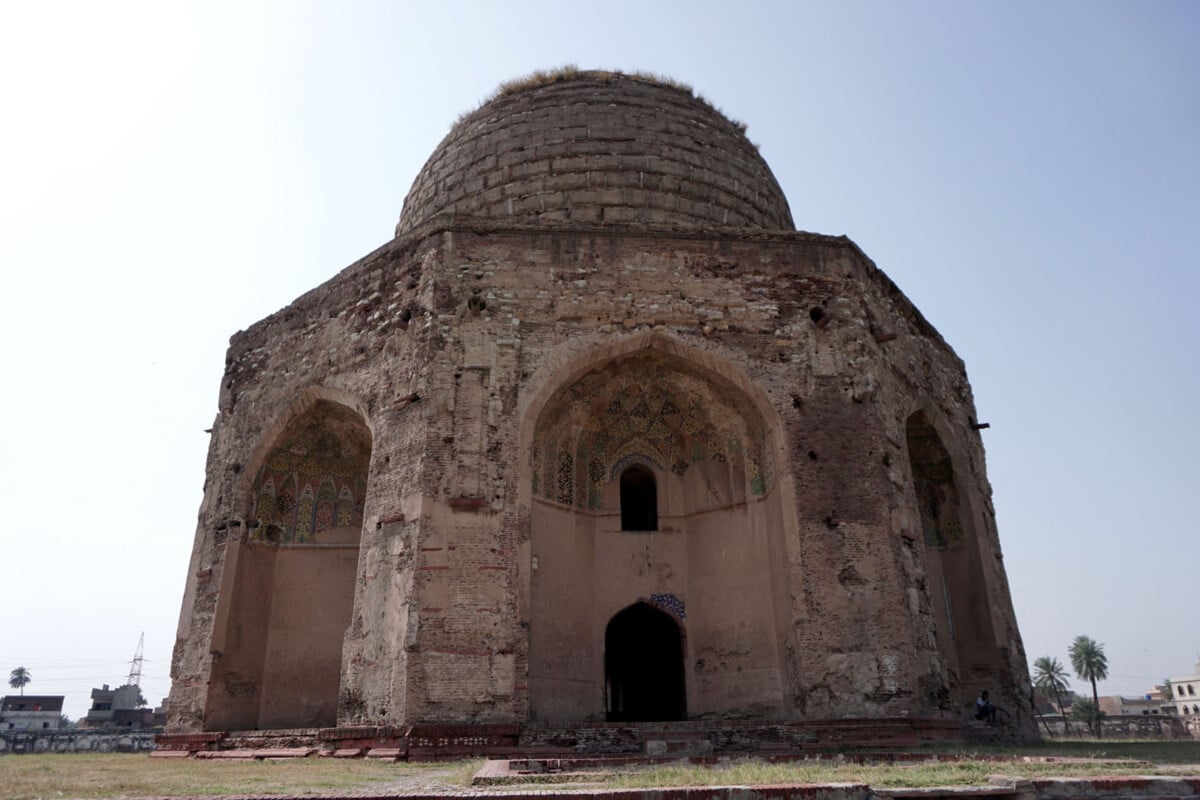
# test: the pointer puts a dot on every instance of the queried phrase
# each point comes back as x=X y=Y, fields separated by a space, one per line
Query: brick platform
x=429 y=742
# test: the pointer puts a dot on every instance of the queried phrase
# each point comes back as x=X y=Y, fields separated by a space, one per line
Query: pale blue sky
x=1027 y=173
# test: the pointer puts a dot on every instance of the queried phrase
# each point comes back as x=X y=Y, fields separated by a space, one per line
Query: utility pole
x=135 y=666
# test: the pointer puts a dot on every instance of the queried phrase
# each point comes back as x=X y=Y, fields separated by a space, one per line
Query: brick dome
x=598 y=147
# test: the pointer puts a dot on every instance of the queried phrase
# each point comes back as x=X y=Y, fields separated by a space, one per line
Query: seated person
x=984 y=709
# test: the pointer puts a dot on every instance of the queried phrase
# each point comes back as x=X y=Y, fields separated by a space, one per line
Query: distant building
x=1117 y=706
x=31 y=712
x=1047 y=705
x=122 y=707
x=1186 y=693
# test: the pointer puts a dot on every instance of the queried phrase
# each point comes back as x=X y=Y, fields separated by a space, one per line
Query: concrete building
x=119 y=707
x=1118 y=706
x=1186 y=693
x=598 y=437
x=31 y=712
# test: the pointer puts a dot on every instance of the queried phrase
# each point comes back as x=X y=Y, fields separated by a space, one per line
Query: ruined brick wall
x=444 y=365
x=347 y=342
x=450 y=341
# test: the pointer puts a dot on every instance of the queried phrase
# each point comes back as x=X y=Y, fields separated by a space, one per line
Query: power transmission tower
x=135 y=666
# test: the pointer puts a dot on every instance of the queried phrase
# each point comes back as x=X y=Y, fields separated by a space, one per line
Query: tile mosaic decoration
x=315 y=479
x=671 y=604
x=651 y=409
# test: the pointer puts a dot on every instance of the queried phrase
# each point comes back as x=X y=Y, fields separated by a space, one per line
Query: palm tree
x=1050 y=677
x=1090 y=663
x=18 y=678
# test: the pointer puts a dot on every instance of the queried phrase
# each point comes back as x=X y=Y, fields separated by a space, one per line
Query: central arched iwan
x=652 y=474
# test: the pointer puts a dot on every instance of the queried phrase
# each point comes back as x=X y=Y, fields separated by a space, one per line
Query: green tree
x=1090 y=663
x=1050 y=678
x=1088 y=713
x=19 y=678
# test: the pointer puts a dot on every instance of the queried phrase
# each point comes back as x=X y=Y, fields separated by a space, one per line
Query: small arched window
x=1191 y=690
x=639 y=500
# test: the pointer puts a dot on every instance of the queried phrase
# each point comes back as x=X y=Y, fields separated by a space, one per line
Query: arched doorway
x=643 y=666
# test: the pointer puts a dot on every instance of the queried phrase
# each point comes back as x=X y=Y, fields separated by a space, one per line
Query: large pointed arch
x=711 y=442
x=270 y=438
x=287 y=589
x=956 y=583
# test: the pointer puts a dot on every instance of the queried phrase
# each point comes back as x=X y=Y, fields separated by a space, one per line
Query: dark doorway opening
x=643 y=666
x=639 y=500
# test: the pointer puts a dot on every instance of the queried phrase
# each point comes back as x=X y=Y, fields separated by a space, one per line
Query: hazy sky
x=1027 y=173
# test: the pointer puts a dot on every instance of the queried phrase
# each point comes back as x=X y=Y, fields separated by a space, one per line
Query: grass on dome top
x=94 y=775
x=570 y=72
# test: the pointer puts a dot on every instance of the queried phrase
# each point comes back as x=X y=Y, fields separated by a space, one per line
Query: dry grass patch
x=969 y=768
x=956 y=773
x=88 y=775
x=1185 y=751
x=25 y=777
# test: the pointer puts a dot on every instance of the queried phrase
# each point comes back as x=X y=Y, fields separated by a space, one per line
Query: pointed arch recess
x=710 y=440
x=955 y=580
x=287 y=593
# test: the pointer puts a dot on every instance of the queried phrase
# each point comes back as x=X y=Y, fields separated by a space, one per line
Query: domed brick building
x=597 y=442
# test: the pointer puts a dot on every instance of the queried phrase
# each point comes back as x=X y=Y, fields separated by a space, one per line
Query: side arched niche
x=287 y=591
x=955 y=580
x=661 y=425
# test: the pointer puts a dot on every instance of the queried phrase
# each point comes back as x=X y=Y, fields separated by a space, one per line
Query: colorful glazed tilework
x=671 y=604
x=314 y=480
x=650 y=409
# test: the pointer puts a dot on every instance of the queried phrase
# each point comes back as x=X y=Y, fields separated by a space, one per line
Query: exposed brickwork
x=612 y=148
x=791 y=539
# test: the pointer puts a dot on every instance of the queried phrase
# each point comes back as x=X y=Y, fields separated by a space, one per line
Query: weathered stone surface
x=599 y=149
x=416 y=471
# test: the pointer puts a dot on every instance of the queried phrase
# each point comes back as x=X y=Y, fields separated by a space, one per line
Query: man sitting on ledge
x=984 y=710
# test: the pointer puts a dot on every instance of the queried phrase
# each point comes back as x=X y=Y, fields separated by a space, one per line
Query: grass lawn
x=79 y=775
x=25 y=777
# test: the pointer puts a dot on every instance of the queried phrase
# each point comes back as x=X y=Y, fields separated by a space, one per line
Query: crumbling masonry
x=597 y=437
